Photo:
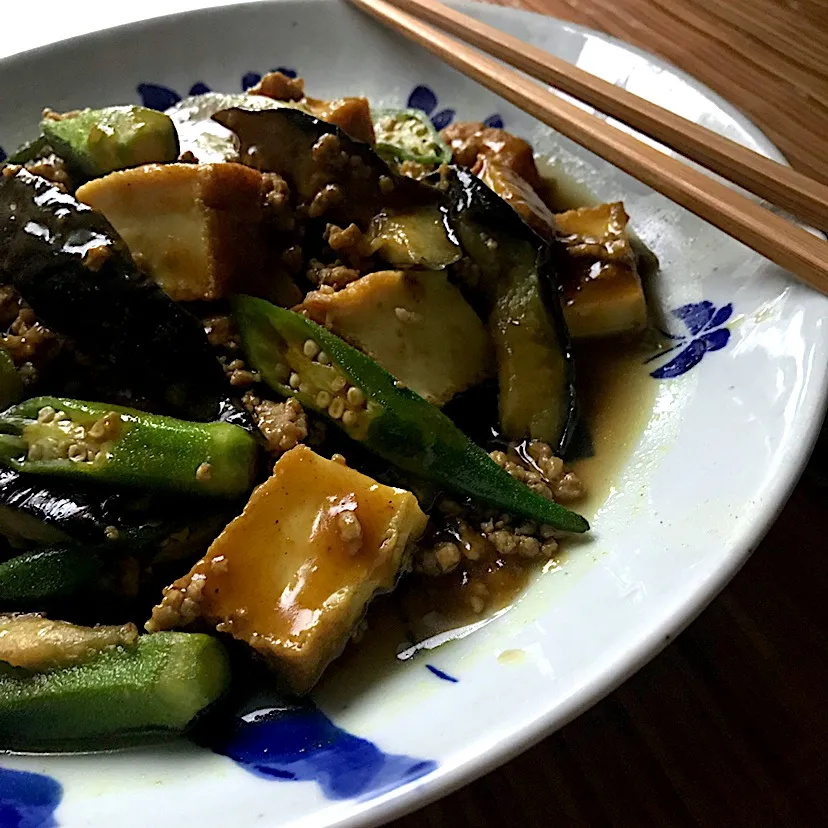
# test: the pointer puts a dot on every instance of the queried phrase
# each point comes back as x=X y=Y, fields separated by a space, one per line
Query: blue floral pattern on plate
x=301 y=744
x=156 y=96
x=28 y=800
x=424 y=98
x=706 y=332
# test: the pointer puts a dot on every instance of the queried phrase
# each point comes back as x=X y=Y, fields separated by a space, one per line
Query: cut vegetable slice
x=98 y=141
x=535 y=366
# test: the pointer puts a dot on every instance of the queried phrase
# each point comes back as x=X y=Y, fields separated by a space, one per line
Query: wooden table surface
x=729 y=725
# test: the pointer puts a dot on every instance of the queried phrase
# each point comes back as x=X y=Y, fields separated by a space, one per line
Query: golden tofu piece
x=293 y=574
x=415 y=324
x=194 y=228
x=602 y=290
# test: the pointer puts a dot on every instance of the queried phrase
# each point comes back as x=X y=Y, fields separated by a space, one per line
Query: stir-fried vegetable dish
x=263 y=358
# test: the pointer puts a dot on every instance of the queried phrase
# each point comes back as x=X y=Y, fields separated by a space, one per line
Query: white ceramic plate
x=734 y=419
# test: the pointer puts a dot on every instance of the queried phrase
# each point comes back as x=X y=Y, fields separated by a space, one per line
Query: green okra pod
x=113 y=444
x=297 y=357
x=158 y=684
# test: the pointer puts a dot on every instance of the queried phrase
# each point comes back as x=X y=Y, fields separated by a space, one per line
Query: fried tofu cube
x=293 y=574
x=602 y=290
x=415 y=324
x=195 y=229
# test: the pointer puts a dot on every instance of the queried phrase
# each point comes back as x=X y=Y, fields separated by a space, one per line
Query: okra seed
x=337 y=408
x=204 y=472
x=323 y=399
x=310 y=349
x=355 y=396
x=50 y=449
x=294 y=382
x=61 y=416
x=323 y=358
x=35 y=452
x=304 y=388
x=349 y=418
x=77 y=453
x=338 y=384
x=46 y=414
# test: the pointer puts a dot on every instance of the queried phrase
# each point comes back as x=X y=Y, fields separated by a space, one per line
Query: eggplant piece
x=520 y=288
x=72 y=268
x=329 y=173
x=34 y=514
x=345 y=180
x=418 y=238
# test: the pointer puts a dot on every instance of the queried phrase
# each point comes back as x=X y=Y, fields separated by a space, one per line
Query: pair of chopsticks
x=783 y=242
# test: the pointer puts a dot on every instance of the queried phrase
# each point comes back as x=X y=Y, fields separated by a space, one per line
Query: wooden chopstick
x=781 y=241
x=775 y=182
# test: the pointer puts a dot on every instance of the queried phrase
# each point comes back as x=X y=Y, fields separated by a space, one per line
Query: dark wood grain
x=729 y=725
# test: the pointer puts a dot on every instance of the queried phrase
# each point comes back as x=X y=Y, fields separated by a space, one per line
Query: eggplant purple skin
x=469 y=199
x=72 y=268
x=86 y=514
x=273 y=140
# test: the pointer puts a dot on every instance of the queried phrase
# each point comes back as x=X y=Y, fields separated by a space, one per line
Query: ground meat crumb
x=328 y=197
x=414 y=169
x=221 y=332
x=180 y=606
x=95 y=257
x=407 y=317
x=335 y=276
x=284 y=425
x=279 y=87
x=542 y=472
x=276 y=194
x=347 y=242
x=187 y=157
x=31 y=344
x=52 y=168
x=327 y=150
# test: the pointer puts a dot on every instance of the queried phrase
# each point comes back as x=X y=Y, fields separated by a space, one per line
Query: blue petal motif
x=199 y=88
x=291 y=73
x=716 y=340
x=721 y=316
x=28 y=800
x=249 y=79
x=422 y=97
x=3 y=155
x=494 y=121
x=156 y=96
x=681 y=364
x=302 y=744
x=440 y=674
x=704 y=323
x=695 y=315
x=443 y=118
